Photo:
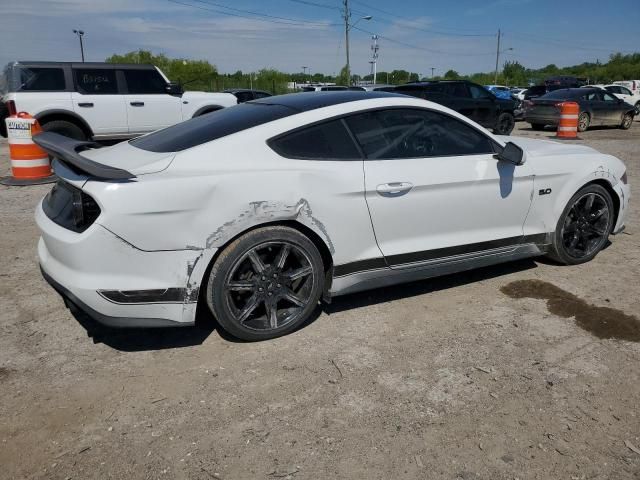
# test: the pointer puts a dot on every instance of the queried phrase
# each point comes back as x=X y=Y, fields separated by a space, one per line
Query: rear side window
x=41 y=79
x=211 y=126
x=326 y=141
x=415 y=133
x=96 y=81
x=144 y=81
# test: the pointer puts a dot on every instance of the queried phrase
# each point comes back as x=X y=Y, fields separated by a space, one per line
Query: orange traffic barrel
x=568 y=126
x=30 y=165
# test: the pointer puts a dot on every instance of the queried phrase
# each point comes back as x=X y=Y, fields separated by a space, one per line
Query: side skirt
x=382 y=277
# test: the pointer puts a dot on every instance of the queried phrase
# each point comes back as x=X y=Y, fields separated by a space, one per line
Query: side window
x=415 y=133
x=479 y=92
x=41 y=79
x=593 y=97
x=326 y=141
x=244 y=96
x=144 y=82
x=96 y=81
x=614 y=89
x=625 y=91
x=608 y=97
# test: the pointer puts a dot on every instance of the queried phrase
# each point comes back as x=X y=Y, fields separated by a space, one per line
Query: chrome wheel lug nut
x=278 y=285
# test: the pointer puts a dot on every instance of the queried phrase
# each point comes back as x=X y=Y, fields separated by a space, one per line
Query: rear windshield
x=562 y=94
x=211 y=126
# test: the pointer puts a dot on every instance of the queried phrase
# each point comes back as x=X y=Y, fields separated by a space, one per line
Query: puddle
x=603 y=322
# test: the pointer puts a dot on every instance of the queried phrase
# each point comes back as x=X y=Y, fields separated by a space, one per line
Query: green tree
x=451 y=75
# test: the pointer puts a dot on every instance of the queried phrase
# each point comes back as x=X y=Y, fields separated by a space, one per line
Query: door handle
x=136 y=104
x=394 y=189
x=86 y=104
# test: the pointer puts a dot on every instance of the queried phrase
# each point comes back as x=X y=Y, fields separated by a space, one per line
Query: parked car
x=633 y=85
x=564 y=81
x=625 y=94
x=500 y=91
x=247 y=94
x=324 y=88
x=100 y=100
x=518 y=93
x=267 y=212
x=597 y=107
x=470 y=99
x=535 y=92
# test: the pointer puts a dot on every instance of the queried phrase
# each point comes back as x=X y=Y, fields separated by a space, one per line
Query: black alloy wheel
x=584 y=227
x=266 y=283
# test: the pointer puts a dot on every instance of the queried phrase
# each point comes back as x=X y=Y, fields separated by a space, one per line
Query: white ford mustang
x=261 y=209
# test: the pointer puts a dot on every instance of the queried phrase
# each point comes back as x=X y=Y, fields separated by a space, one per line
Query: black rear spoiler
x=66 y=150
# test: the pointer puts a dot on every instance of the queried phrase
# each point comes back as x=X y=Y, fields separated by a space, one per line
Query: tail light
x=11 y=107
x=70 y=207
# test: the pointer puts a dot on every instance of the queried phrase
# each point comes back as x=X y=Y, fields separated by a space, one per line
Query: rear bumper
x=115 y=283
x=541 y=119
x=74 y=303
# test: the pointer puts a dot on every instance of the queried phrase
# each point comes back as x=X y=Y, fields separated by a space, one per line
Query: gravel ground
x=481 y=375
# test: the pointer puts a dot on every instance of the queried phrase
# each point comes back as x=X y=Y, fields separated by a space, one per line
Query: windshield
x=211 y=126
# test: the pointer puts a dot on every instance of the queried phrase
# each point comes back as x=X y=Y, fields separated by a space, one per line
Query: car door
x=485 y=106
x=434 y=188
x=149 y=106
x=98 y=98
x=613 y=108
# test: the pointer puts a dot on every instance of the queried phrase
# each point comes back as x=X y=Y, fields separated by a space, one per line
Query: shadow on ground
x=135 y=339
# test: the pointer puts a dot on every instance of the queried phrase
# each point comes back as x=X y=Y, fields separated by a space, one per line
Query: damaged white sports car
x=261 y=209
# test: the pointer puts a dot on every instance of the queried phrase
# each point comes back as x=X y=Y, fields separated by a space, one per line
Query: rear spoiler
x=66 y=150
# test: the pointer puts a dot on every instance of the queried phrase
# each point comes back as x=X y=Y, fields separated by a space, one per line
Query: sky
x=248 y=35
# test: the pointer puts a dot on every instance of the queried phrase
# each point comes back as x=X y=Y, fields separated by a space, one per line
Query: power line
x=316 y=4
x=412 y=27
x=269 y=19
x=389 y=39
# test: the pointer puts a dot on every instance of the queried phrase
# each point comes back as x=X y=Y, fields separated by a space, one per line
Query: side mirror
x=511 y=153
x=174 y=89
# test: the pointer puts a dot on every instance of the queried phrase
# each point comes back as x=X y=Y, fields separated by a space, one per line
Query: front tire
x=505 y=123
x=266 y=283
x=584 y=226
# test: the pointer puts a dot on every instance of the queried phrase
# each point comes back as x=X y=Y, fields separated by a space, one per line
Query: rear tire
x=65 y=128
x=537 y=126
x=584 y=120
x=266 y=283
x=584 y=226
x=505 y=123
x=627 y=121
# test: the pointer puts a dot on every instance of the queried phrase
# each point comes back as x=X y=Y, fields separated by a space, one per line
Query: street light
x=80 y=34
x=348 y=26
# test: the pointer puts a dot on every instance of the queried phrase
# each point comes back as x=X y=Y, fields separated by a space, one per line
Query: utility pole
x=304 y=72
x=495 y=78
x=433 y=69
x=375 y=47
x=347 y=20
x=80 y=34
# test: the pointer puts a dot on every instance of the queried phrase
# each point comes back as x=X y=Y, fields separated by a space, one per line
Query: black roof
x=242 y=90
x=305 y=101
x=130 y=66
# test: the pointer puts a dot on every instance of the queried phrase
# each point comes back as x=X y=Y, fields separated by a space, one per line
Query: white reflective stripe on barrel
x=40 y=162
x=567 y=129
x=574 y=117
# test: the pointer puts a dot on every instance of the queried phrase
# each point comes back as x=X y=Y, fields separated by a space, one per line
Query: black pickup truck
x=469 y=99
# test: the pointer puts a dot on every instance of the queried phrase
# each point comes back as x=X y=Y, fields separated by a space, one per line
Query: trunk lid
x=74 y=159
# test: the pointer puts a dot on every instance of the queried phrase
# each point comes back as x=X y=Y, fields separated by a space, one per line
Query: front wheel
x=505 y=123
x=584 y=226
x=65 y=128
x=266 y=283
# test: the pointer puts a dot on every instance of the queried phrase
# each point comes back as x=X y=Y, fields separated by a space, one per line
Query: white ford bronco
x=100 y=101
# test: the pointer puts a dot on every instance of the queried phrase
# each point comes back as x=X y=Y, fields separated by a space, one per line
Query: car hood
x=537 y=148
x=132 y=159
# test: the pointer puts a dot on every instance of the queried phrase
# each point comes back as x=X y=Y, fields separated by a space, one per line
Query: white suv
x=100 y=100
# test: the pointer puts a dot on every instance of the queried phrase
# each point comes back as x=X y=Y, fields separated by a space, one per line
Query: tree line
x=202 y=75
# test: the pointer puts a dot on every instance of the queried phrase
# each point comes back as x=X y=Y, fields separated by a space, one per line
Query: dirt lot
x=464 y=377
